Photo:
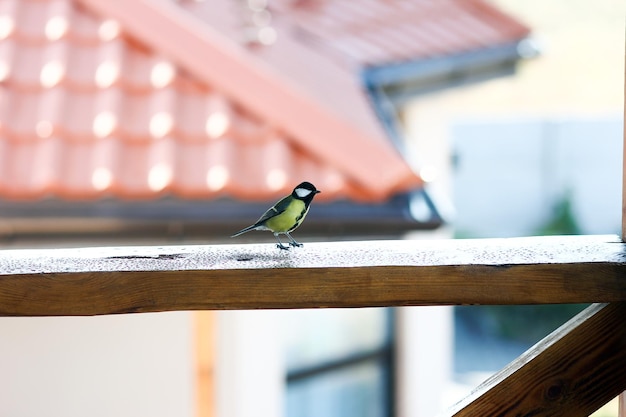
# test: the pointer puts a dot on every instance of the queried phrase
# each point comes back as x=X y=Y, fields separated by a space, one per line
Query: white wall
x=250 y=369
x=510 y=173
x=424 y=362
x=111 y=366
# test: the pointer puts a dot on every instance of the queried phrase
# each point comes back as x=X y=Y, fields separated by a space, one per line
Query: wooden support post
x=624 y=172
x=622 y=397
x=572 y=372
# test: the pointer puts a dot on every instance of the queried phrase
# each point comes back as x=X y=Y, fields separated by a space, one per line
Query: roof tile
x=420 y=28
x=92 y=106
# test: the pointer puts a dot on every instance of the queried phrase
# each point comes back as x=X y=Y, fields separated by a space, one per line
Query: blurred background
x=179 y=122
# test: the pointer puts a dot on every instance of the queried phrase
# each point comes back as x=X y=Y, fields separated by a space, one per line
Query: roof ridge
x=362 y=156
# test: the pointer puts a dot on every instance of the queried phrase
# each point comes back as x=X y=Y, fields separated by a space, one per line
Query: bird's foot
x=292 y=241
x=281 y=246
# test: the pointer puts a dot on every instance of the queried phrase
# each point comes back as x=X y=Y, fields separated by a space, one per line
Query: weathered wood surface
x=572 y=372
x=91 y=281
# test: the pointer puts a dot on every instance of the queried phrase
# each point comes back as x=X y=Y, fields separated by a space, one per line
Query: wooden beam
x=91 y=281
x=572 y=372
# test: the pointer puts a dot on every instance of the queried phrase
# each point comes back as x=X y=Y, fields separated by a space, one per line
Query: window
x=340 y=363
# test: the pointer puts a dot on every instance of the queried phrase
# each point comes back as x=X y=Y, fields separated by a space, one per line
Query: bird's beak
x=317 y=191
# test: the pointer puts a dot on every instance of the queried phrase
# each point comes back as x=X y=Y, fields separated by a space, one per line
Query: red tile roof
x=140 y=98
x=375 y=32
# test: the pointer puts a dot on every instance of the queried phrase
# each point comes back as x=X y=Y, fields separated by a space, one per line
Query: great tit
x=286 y=215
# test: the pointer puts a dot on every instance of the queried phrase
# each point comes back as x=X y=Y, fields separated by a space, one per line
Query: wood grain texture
x=572 y=372
x=92 y=281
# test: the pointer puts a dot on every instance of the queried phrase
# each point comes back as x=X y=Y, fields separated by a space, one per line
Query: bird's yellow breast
x=289 y=219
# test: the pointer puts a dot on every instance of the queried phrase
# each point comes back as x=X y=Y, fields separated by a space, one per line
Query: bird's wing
x=274 y=211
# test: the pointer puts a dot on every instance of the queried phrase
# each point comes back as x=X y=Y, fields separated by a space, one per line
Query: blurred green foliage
x=563 y=220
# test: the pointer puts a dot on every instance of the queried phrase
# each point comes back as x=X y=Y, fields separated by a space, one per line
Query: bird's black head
x=305 y=191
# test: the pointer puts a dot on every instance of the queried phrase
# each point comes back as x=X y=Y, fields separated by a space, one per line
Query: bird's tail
x=247 y=229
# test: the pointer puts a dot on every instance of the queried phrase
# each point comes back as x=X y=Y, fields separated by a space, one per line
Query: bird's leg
x=280 y=244
x=293 y=241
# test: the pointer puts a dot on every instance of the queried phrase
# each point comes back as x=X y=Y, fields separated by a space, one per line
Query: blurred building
x=160 y=121
x=226 y=101
x=536 y=153
x=522 y=144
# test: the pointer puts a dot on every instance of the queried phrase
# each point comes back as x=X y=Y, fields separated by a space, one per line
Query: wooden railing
x=572 y=372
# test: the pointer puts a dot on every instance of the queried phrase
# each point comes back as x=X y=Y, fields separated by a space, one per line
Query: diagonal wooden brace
x=572 y=372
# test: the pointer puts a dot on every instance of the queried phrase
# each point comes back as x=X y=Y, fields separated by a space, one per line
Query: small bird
x=286 y=215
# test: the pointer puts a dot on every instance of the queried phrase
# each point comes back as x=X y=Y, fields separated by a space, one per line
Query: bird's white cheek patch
x=303 y=192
